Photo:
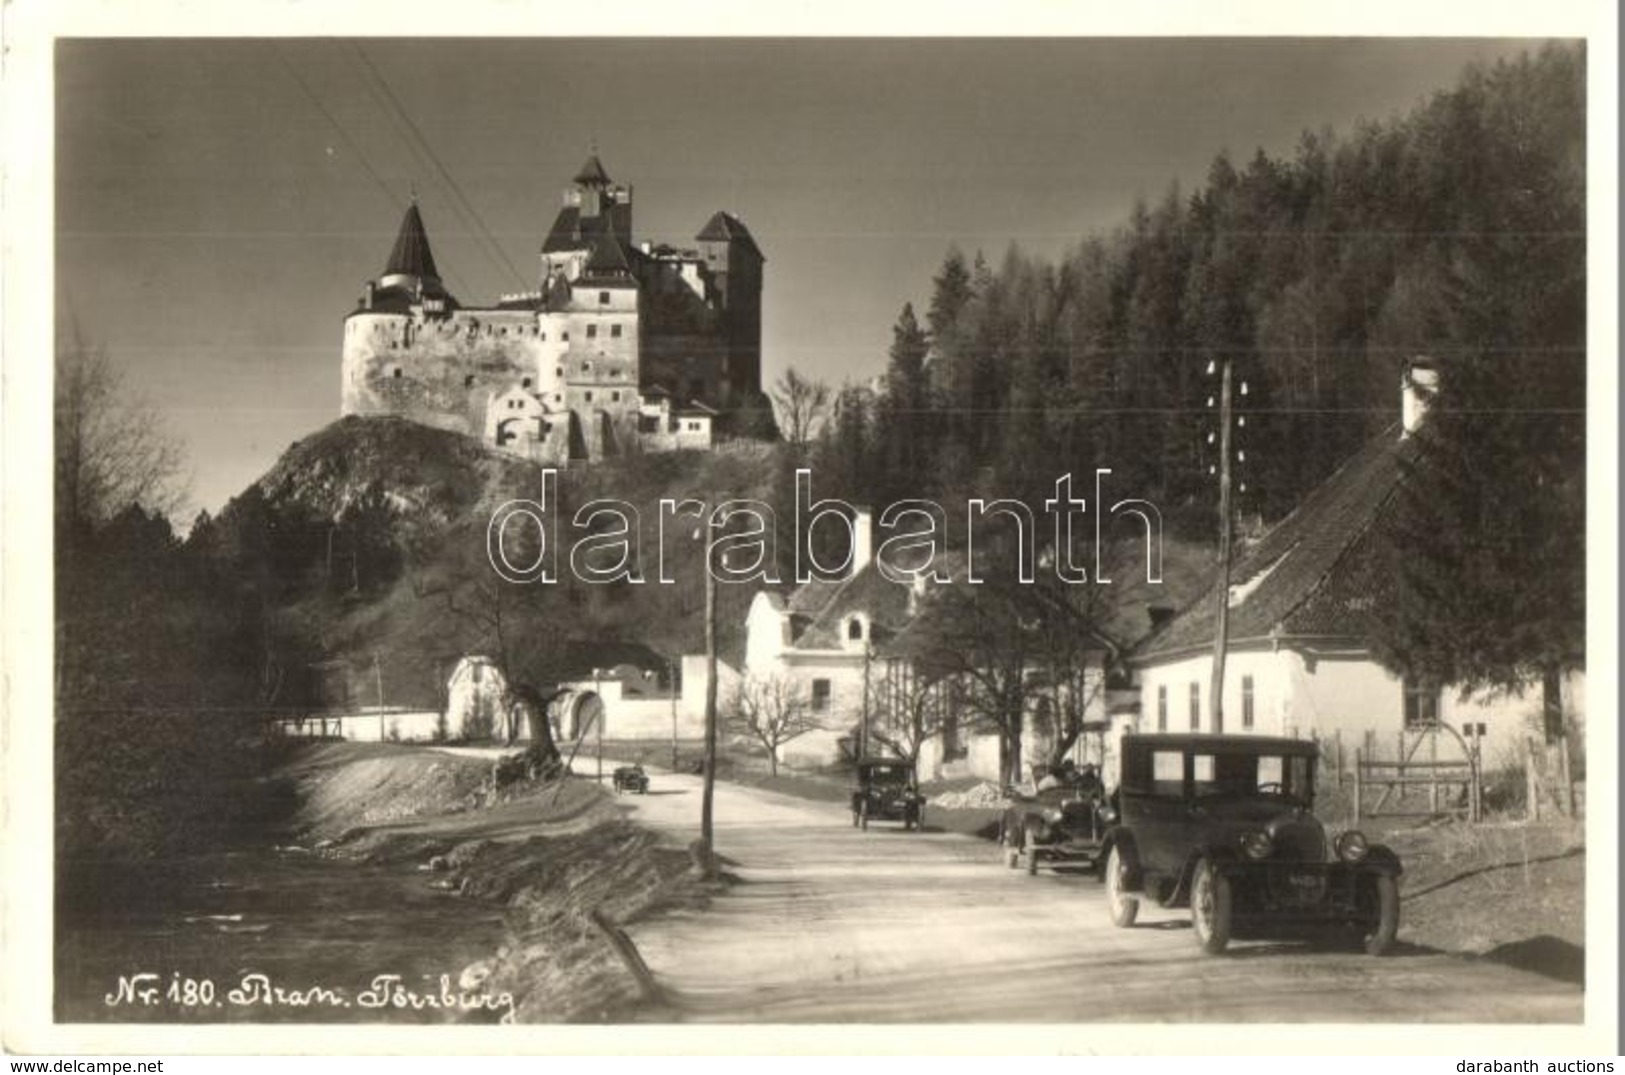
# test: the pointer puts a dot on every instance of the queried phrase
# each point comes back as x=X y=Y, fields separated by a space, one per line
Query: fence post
x=1531 y=782
x=1359 y=776
x=1564 y=774
x=1433 y=788
x=1338 y=738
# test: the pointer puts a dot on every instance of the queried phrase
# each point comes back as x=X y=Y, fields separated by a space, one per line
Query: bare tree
x=773 y=711
x=911 y=708
x=802 y=403
x=112 y=447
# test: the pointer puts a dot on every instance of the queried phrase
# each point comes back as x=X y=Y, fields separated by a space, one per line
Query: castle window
x=588 y=397
x=592 y=332
x=615 y=331
x=542 y=334
x=559 y=372
x=603 y=298
x=397 y=373
x=586 y=367
x=614 y=397
x=854 y=629
x=525 y=383
x=468 y=382
x=565 y=336
x=820 y=696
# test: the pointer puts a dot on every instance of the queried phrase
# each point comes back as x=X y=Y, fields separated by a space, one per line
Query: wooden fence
x=1428 y=771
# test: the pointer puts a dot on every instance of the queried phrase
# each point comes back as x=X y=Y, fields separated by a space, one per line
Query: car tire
x=1211 y=908
x=1124 y=908
x=1029 y=849
x=1379 y=938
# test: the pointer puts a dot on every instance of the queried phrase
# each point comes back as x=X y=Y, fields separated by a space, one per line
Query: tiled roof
x=823 y=608
x=1315 y=573
x=725 y=227
x=593 y=172
x=608 y=255
x=571 y=231
x=411 y=255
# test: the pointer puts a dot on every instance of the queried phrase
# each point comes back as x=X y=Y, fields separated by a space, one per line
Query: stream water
x=271 y=936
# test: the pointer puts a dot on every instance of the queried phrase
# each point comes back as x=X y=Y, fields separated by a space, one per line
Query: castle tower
x=593 y=204
x=379 y=333
x=410 y=269
x=735 y=263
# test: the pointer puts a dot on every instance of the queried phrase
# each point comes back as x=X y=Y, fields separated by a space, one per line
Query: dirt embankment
x=555 y=856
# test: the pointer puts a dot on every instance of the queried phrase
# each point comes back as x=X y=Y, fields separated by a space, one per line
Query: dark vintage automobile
x=1223 y=824
x=1063 y=823
x=631 y=778
x=886 y=791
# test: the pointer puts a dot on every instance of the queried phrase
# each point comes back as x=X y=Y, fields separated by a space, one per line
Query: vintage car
x=631 y=778
x=1063 y=823
x=886 y=791
x=1223 y=824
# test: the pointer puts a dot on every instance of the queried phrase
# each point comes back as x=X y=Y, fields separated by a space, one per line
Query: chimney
x=1416 y=385
x=1160 y=615
x=863 y=540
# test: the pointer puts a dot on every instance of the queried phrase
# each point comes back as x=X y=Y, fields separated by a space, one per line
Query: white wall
x=1304 y=694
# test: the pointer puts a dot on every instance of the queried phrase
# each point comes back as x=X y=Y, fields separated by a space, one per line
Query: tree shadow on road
x=1494 y=867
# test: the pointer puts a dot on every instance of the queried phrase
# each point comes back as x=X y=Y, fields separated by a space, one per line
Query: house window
x=564 y=336
x=820 y=695
x=525 y=383
x=1421 y=703
x=588 y=396
x=592 y=332
x=614 y=397
x=397 y=373
x=603 y=300
x=854 y=629
x=558 y=371
x=1162 y=708
x=1196 y=707
x=468 y=382
x=615 y=331
x=1246 y=701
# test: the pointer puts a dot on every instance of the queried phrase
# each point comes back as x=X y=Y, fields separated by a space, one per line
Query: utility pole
x=706 y=841
x=598 y=719
x=1221 y=638
x=378 y=681
x=671 y=687
x=863 y=736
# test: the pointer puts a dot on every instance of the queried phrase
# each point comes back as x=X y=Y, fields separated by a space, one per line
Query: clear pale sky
x=214 y=226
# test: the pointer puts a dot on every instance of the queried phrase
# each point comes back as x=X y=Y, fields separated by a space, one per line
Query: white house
x=845 y=644
x=1301 y=607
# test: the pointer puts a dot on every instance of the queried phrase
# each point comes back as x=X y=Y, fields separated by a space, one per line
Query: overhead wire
x=460 y=201
x=350 y=143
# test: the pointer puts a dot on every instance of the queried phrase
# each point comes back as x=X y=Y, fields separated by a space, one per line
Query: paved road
x=831 y=924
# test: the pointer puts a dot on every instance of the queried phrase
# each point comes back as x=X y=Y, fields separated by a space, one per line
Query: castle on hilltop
x=623 y=347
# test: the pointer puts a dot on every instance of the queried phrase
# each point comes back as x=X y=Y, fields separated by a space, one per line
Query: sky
x=220 y=204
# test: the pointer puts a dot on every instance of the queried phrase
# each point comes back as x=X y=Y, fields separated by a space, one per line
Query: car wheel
x=1029 y=849
x=1381 y=935
x=1210 y=908
x=1124 y=908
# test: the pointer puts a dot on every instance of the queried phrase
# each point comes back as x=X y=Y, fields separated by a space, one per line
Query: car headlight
x=1107 y=814
x=1257 y=845
x=1352 y=846
x=1051 y=814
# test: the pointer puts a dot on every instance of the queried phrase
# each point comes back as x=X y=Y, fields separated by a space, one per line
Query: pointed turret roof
x=411 y=255
x=608 y=255
x=592 y=173
x=724 y=227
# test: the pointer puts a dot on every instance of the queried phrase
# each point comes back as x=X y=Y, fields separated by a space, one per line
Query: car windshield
x=1245 y=775
x=888 y=774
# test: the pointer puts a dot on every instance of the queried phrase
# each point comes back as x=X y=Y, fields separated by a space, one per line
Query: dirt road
x=830 y=924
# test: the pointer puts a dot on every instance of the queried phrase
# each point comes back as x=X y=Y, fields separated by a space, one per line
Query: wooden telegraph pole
x=1221 y=637
x=708 y=861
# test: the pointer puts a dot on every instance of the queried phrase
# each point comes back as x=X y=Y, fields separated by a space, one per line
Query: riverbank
x=403 y=887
